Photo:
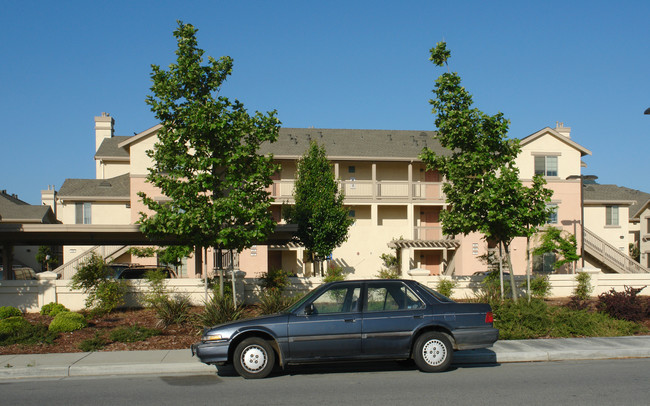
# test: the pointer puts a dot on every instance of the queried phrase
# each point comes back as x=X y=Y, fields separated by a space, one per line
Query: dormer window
x=546 y=165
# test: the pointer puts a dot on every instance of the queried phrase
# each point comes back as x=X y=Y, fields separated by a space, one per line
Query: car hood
x=257 y=321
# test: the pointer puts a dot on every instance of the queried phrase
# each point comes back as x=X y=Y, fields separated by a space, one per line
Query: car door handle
x=349 y=320
x=418 y=316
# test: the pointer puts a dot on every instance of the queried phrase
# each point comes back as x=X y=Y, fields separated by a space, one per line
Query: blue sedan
x=353 y=320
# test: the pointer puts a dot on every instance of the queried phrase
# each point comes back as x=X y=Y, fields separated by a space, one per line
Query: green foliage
x=446 y=286
x=273 y=301
x=624 y=305
x=98 y=342
x=483 y=188
x=173 y=310
x=275 y=279
x=205 y=160
x=46 y=257
x=94 y=278
x=491 y=288
x=390 y=268
x=132 y=334
x=218 y=310
x=540 y=286
x=52 y=309
x=171 y=255
x=523 y=320
x=66 y=322
x=388 y=274
x=323 y=221
x=17 y=330
x=334 y=273
x=9 y=311
x=552 y=240
x=583 y=288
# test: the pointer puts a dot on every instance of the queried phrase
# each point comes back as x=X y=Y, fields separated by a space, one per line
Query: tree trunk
x=512 y=275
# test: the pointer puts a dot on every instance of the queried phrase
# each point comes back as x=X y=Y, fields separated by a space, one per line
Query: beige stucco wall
x=568 y=157
x=112 y=169
x=618 y=236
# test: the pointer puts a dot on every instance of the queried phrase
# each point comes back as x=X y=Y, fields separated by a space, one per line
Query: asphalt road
x=603 y=382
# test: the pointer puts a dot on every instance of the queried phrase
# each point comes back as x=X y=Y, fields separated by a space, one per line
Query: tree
x=205 y=161
x=323 y=222
x=558 y=242
x=483 y=188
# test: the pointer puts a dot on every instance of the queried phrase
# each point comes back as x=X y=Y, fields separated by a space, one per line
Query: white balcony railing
x=369 y=190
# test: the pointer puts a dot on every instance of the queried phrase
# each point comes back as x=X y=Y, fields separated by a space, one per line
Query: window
x=546 y=165
x=552 y=217
x=337 y=300
x=391 y=296
x=352 y=169
x=82 y=213
x=543 y=264
x=611 y=215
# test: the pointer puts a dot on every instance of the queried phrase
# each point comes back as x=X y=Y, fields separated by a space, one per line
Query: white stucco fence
x=31 y=295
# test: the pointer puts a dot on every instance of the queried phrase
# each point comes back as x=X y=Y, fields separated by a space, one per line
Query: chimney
x=565 y=131
x=104 y=128
x=48 y=198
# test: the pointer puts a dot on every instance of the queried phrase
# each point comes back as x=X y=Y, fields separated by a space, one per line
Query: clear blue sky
x=333 y=64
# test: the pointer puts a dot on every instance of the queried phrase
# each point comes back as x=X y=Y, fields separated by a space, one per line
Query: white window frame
x=549 y=162
x=612 y=215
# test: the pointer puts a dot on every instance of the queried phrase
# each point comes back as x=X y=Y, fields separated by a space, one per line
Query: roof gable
x=553 y=133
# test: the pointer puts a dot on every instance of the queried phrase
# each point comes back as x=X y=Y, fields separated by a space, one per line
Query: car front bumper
x=211 y=353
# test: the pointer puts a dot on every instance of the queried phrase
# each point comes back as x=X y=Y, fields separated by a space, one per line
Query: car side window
x=337 y=300
x=393 y=296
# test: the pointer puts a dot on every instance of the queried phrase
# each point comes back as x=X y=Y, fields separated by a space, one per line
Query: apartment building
x=395 y=201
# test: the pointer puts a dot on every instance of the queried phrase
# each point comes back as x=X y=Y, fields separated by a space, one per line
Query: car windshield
x=300 y=302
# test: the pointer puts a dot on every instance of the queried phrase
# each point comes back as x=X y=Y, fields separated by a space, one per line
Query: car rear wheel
x=433 y=352
x=254 y=358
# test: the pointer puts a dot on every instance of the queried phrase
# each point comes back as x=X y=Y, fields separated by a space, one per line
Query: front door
x=331 y=328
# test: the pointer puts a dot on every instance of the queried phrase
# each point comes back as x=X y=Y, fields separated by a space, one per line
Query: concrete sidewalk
x=182 y=362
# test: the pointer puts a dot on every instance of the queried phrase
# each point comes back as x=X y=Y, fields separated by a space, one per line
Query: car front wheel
x=254 y=358
x=433 y=352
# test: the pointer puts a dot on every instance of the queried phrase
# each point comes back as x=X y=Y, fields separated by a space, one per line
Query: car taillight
x=489 y=318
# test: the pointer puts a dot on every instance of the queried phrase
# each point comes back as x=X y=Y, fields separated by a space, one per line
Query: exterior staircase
x=108 y=252
x=612 y=259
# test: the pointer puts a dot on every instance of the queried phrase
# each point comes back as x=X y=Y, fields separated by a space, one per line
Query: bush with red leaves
x=624 y=305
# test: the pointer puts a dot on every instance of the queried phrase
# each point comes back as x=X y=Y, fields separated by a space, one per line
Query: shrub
x=334 y=273
x=17 y=330
x=276 y=279
x=521 y=320
x=66 y=322
x=446 y=286
x=385 y=273
x=52 y=309
x=623 y=305
x=540 y=286
x=104 y=293
x=133 y=334
x=274 y=301
x=9 y=311
x=583 y=289
x=218 y=310
x=174 y=310
x=491 y=287
x=96 y=343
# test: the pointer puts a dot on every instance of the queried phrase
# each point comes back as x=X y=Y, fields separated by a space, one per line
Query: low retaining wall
x=31 y=295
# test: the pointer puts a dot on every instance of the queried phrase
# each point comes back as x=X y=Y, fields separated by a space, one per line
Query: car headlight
x=213 y=337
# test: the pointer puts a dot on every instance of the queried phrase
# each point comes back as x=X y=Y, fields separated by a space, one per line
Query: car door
x=328 y=326
x=391 y=313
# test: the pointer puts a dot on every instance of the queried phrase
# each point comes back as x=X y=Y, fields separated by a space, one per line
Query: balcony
x=368 y=190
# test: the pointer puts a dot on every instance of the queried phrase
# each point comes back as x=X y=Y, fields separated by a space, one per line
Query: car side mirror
x=309 y=309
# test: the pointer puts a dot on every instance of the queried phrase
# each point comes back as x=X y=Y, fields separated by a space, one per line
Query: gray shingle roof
x=117 y=187
x=342 y=143
x=109 y=148
x=616 y=193
x=13 y=209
